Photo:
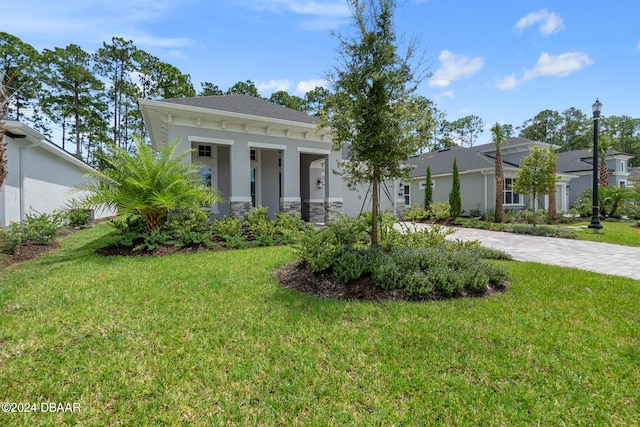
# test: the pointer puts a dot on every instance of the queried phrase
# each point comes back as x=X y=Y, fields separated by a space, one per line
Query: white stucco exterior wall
x=40 y=178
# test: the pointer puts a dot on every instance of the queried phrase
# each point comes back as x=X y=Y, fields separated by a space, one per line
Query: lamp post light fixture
x=595 y=217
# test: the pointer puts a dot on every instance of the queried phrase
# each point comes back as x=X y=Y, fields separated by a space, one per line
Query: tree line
x=571 y=130
x=92 y=99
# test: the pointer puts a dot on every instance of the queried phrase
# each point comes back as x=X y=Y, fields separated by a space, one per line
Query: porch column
x=290 y=200
x=240 y=165
x=333 y=202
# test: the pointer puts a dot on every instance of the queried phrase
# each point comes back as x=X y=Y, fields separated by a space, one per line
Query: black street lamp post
x=595 y=218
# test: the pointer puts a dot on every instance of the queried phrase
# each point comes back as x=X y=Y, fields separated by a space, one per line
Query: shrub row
x=36 y=228
x=534 y=230
x=417 y=262
x=437 y=211
x=192 y=228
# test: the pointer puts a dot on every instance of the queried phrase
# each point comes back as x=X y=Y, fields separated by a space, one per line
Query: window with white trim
x=510 y=196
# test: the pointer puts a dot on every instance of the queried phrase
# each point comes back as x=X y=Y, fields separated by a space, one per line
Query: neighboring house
x=580 y=164
x=256 y=153
x=476 y=166
x=40 y=175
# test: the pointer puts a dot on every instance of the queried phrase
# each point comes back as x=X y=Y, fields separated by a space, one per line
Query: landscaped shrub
x=352 y=263
x=427 y=237
x=184 y=238
x=228 y=227
x=319 y=249
x=289 y=224
x=77 y=218
x=131 y=223
x=543 y=230
x=40 y=228
x=441 y=211
x=416 y=213
x=264 y=240
x=258 y=223
x=151 y=240
x=188 y=220
x=10 y=238
x=347 y=230
x=235 y=242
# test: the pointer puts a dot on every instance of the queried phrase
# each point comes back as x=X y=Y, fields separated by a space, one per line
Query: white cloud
x=454 y=67
x=273 y=85
x=328 y=14
x=550 y=22
x=549 y=66
x=308 y=85
x=508 y=82
x=447 y=94
x=305 y=7
x=558 y=65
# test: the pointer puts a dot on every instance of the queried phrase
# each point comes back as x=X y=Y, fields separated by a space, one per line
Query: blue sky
x=501 y=60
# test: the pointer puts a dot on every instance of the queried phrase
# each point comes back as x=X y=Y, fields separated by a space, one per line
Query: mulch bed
x=297 y=275
x=294 y=275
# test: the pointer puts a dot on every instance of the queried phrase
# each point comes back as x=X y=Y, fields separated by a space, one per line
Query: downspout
x=21 y=162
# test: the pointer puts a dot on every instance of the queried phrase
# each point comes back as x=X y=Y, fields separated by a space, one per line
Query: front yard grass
x=212 y=339
x=618 y=232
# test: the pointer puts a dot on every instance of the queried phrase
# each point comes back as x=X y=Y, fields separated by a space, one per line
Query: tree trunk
x=3 y=153
x=374 y=207
x=154 y=219
x=604 y=173
x=499 y=186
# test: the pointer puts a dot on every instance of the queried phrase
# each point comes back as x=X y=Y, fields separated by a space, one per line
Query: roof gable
x=244 y=104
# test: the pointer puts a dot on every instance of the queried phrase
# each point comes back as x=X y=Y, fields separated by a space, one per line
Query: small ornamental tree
x=455 y=200
x=428 y=190
x=536 y=174
x=373 y=109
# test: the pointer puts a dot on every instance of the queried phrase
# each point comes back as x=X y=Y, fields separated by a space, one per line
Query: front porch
x=295 y=181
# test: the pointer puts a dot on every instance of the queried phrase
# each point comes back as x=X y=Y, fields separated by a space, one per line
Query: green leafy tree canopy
x=372 y=108
x=536 y=174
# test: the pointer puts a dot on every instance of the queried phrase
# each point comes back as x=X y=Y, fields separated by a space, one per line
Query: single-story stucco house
x=257 y=153
x=41 y=175
x=476 y=167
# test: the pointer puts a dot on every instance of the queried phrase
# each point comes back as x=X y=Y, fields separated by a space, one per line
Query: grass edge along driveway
x=211 y=338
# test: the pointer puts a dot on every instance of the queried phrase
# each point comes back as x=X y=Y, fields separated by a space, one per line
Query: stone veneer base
x=291 y=208
x=240 y=209
x=332 y=209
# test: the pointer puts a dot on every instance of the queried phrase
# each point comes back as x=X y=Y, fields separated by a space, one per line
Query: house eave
x=157 y=115
x=36 y=139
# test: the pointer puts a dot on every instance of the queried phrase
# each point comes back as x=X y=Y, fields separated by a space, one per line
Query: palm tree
x=498 y=137
x=150 y=184
x=604 y=146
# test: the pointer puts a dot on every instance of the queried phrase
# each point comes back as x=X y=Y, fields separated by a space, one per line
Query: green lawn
x=621 y=233
x=212 y=339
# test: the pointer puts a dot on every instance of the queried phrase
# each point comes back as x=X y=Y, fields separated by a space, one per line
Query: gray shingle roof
x=472 y=158
x=245 y=104
x=574 y=161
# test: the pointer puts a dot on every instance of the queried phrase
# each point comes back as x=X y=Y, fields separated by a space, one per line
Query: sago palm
x=150 y=183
